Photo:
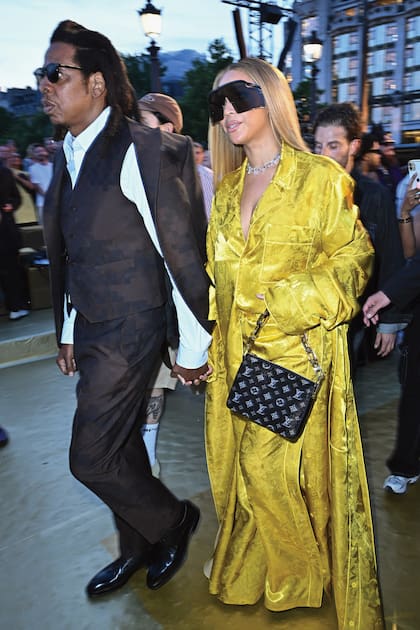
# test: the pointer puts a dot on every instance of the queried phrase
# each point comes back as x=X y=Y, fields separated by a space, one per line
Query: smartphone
x=414 y=169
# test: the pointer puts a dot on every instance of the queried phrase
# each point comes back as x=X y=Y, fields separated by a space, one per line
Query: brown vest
x=112 y=267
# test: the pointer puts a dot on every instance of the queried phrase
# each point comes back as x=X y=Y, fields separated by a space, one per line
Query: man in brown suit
x=123 y=220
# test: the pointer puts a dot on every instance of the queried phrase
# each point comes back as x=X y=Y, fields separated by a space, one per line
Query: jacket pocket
x=287 y=249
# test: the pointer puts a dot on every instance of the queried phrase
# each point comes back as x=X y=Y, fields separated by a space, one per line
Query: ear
x=168 y=126
x=354 y=147
x=97 y=84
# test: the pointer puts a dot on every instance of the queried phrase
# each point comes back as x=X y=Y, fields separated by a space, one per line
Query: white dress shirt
x=194 y=339
x=207 y=186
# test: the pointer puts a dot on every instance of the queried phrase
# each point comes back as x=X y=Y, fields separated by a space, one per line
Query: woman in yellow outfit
x=295 y=520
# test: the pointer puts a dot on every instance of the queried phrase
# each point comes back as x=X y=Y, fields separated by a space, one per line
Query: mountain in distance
x=178 y=62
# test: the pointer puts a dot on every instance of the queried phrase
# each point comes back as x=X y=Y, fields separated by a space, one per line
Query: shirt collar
x=88 y=135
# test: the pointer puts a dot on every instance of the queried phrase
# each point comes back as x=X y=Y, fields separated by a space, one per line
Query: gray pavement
x=55 y=534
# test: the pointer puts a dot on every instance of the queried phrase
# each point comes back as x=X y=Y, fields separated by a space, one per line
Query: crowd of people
x=171 y=291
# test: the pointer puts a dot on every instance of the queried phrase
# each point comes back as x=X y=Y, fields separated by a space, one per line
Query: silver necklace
x=256 y=170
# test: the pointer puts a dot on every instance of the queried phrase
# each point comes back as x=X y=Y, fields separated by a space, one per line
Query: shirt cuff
x=68 y=325
x=191 y=359
x=390 y=328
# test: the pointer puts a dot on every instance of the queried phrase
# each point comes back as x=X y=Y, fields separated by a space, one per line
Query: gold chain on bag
x=313 y=360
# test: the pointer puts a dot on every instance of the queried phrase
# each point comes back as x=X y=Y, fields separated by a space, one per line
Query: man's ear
x=355 y=147
x=97 y=83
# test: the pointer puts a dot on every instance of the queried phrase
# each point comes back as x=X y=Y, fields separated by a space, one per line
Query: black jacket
x=377 y=213
x=166 y=164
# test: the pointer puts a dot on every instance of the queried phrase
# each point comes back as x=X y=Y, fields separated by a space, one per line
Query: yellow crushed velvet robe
x=295 y=518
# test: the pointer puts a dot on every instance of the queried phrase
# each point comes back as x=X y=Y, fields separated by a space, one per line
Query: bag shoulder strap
x=313 y=360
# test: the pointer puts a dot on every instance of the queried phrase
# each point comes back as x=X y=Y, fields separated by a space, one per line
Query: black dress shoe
x=114 y=575
x=170 y=552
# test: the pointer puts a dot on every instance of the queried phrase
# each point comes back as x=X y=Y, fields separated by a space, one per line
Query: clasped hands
x=194 y=376
x=67 y=365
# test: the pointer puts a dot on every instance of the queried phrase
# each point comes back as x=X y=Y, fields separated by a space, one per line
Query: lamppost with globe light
x=312 y=52
x=151 y=20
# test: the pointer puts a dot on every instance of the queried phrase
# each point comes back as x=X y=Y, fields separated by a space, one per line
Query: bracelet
x=406 y=220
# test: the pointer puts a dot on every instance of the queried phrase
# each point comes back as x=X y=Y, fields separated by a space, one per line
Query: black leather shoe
x=170 y=552
x=114 y=575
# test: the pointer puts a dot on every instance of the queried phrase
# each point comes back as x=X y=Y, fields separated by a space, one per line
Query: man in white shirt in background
x=206 y=177
x=40 y=172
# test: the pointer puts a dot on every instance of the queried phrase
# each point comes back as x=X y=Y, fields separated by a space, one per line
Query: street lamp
x=151 y=21
x=312 y=52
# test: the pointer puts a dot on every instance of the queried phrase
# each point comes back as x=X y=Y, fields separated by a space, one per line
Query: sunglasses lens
x=51 y=71
x=243 y=96
x=216 y=113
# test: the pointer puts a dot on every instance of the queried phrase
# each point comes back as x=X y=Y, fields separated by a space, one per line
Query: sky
x=26 y=26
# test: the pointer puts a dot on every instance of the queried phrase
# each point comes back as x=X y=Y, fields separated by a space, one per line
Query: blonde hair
x=281 y=110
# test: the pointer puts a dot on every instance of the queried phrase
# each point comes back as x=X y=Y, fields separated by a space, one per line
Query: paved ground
x=54 y=534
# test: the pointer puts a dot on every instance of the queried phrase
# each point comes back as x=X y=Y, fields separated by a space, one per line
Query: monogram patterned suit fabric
x=113 y=268
x=176 y=204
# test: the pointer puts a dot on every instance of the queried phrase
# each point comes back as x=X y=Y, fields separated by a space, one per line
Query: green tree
x=138 y=70
x=24 y=129
x=302 y=96
x=6 y=125
x=197 y=84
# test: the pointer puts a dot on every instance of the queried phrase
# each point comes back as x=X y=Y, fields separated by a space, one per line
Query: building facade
x=21 y=101
x=370 y=56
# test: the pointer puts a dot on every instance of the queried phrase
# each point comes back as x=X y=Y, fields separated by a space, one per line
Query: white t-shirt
x=41 y=174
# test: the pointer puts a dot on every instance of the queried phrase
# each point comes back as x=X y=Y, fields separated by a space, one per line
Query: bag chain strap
x=304 y=339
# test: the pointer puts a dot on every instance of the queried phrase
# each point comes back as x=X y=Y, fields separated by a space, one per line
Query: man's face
x=198 y=155
x=388 y=146
x=332 y=141
x=41 y=155
x=72 y=101
x=4 y=153
x=373 y=157
x=149 y=119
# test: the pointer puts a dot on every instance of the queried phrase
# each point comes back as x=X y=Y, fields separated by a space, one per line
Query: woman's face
x=244 y=128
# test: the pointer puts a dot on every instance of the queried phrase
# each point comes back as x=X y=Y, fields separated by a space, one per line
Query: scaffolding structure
x=262 y=16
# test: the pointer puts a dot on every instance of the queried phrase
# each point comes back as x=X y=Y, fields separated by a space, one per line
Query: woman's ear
x=168 y=126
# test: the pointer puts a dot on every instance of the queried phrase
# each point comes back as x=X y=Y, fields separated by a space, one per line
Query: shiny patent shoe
x=114 y=575
x=170 y=552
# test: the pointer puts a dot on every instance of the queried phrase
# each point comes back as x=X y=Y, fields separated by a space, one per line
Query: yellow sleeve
x=326 y=293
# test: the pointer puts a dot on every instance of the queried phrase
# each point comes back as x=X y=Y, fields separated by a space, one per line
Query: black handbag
x=273 y=396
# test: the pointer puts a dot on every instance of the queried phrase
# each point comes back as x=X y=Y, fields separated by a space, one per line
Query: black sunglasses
x=377 y=151
x=52 y=71
x=243 y=96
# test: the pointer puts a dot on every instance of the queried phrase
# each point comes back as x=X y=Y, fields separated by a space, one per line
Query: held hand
x=384 y=343
x=191 y=376
x=373 y=304
x=65 y=360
